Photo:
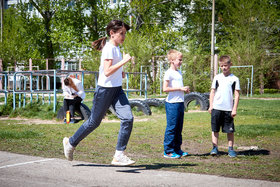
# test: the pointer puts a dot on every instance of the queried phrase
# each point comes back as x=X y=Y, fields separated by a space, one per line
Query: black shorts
x=222 y=119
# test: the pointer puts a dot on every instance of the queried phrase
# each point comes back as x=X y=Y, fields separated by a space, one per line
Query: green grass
x=257 y=124
x=267 y=95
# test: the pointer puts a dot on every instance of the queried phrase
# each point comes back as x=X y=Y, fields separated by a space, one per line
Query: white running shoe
x=122 y=160
x=68 y=149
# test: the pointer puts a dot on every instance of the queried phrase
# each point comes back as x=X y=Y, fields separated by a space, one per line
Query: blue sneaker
x=214 y=151
x=231 y=153
x=171 y=155
x=182 y=153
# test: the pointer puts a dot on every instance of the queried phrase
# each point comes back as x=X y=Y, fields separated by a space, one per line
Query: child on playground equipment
x=174 y=106
x=74 y=93
x=222 y=107
x=108 y=92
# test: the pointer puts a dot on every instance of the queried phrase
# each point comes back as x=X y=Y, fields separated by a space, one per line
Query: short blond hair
x=225 y=58
x=172 y=54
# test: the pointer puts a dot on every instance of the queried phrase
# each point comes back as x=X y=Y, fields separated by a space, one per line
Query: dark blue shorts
x=222 y=119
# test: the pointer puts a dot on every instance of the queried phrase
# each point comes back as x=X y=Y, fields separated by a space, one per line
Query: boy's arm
x=170 y=89
x=236 y=101
x=211 y=98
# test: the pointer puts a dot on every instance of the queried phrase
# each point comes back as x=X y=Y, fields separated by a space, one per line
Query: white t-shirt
x=175 y=80
x=67 y=90
x=224 y=88
x=110 y=52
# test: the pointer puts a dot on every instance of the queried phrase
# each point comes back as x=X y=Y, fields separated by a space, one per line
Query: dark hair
x=225 y=58
x=114 y=26
x=66 y=81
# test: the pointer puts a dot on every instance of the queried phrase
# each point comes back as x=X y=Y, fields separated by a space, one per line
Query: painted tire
x=83 y=112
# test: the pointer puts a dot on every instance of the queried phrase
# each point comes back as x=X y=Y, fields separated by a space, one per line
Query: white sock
x=118 y=153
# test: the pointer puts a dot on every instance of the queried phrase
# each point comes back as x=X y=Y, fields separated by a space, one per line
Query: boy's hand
x=233 y=113
x=210 y=110
x=186 y=89
x=123 y=75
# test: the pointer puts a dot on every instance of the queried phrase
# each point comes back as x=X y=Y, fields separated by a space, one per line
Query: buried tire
x=141 y=106
x=83 y=112
x=153 y=102
x=200 y=99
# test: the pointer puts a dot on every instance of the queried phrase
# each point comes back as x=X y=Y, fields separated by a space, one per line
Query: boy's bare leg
x=215 y=137
x=231 y=152
x=230 y=137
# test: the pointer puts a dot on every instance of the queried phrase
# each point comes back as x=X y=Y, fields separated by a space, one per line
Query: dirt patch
x=31 y=121
x=196 y=111
x=40 y=121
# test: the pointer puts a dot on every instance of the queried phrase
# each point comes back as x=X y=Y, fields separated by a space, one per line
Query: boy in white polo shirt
x=174 y=106
x=222 y=106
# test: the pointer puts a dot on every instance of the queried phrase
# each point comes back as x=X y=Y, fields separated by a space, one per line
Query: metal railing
x=30 y=83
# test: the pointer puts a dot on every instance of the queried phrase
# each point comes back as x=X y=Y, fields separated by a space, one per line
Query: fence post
x=80 y=64
x=30 y=64
x=47 y=80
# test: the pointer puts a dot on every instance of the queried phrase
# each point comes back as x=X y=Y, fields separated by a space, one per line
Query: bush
x=267 y=91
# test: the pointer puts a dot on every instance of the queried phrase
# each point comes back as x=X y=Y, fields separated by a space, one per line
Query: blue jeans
x=173 y=133
x=103 y=98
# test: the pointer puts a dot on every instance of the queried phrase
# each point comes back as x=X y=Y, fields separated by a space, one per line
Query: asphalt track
x=27 y=171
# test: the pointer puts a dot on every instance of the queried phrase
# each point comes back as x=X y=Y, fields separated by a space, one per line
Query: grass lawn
x=257 y=127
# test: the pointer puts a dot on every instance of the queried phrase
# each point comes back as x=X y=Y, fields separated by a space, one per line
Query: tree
x=250 y=34
x=47 y=9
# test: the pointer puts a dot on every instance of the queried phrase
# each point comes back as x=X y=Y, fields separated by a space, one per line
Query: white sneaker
x=68 y=149
x=122 y=160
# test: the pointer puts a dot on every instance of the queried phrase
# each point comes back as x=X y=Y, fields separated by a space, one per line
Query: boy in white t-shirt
x=174 y=106
x=222 y=106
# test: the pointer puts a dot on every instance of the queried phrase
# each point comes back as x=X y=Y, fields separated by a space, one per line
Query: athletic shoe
x=171 y=155
x=68 y=149
x=122 y=160
x=231 y=153
x=214 y=151
x=182 y=153
x=72 y=121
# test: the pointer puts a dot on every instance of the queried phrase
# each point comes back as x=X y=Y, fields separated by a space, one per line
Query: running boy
x=222 y=108
x=174 y=106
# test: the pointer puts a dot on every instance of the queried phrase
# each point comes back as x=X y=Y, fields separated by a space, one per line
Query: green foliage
x=267 y=91
x=31 y=110
x=246 y=30
x=6 y=110
x=251 y=33
x=196 y=65
x=35 y=110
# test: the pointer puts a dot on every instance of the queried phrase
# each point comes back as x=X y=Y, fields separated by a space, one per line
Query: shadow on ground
x=240 y=153
x=157 y=166
x=138 y=168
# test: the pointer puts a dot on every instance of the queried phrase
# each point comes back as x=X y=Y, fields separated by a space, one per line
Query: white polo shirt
x=224 y=88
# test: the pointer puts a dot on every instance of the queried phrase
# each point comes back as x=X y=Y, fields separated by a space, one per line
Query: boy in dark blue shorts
x=222 y=106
